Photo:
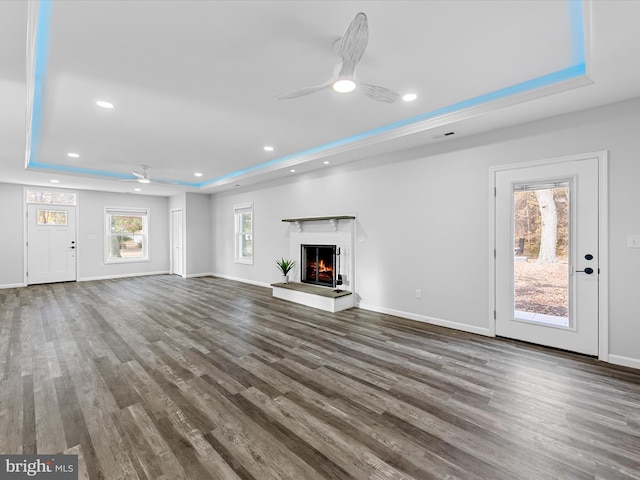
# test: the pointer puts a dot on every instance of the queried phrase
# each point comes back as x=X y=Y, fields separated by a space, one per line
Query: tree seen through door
x=541 y=254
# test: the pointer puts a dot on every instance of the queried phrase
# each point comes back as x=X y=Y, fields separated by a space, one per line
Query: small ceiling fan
x=351 y=47
x=145 y=178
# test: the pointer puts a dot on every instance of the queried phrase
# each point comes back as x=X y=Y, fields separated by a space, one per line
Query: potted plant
x=285 y=267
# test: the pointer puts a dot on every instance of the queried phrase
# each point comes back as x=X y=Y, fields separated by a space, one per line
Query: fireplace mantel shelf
x=316 y=219
x=332 y=219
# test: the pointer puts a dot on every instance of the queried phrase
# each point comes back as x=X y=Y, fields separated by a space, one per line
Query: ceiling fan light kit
x=350 y=47
x=344 y=86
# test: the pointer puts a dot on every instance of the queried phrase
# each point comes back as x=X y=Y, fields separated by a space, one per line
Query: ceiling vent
x=442 y=135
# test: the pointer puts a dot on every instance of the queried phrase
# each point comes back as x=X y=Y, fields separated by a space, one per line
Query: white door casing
x=587 y=332
x=176 y=243
x=51 y=243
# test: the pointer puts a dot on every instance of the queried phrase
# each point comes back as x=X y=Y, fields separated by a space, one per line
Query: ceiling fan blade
x=381 y=94
x=350 y=47
x=164 y=182
x=146 y=179
x=354 y=41
x=150 y=181
x=301 y=92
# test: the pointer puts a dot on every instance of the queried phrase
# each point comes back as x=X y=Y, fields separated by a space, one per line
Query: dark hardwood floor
x=167 y=378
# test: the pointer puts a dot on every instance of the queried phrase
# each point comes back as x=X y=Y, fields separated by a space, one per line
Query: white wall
x=197 y=230
x=271 y=241
x=12 y=238
x=90 y=241
x=91 y=225
x=198 y=234
x=423 y=219
x=178 y=202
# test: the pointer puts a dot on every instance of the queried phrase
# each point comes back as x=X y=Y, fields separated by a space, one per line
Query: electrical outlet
x=418 y=293
x=633 y=241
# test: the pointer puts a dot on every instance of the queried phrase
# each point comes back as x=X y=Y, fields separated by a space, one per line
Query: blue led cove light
x=575 y=70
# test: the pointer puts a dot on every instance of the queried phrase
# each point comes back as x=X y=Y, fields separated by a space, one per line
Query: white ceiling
x=193 y=83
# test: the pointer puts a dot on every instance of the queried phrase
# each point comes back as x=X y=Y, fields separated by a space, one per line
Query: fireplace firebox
x=318 y=265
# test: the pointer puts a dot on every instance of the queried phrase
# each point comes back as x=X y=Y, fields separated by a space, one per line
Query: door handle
x=587 y=270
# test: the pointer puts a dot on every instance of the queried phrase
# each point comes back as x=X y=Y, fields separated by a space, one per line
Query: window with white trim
x=126 y=235
x=243 y=217
x=51 y=198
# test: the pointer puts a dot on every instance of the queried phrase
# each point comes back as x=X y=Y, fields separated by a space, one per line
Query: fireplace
x=318 y=265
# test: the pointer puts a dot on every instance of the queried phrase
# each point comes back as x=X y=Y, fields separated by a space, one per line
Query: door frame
x=25 y=227
x=603 y=240
x=171 y=253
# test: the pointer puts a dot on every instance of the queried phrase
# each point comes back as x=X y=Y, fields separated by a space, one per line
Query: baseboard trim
x=486 y=332
x=243 y=280
x=390 y=311
x=196 y=275
x=13 y=285
x=123 y=275
x=430 y=320
x=624 y=361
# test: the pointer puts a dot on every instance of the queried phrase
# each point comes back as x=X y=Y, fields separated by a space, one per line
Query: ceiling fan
x=145 y=178
x=350 y=47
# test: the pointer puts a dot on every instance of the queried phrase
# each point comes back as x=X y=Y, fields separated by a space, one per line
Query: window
x=51 y=217
x=244 y=233
x=51 y=198
x=127 y=238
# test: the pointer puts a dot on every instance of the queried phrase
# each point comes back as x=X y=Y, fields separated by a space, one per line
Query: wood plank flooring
x=204 y=378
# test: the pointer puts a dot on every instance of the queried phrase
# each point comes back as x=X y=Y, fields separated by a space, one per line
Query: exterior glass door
x=546 y=254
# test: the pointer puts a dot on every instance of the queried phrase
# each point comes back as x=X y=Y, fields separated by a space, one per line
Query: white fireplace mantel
x=332 y=221
x=338 y=230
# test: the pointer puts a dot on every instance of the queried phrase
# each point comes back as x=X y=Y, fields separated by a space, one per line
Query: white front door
x=51 y=243
x=176 y=242
x=546 y=254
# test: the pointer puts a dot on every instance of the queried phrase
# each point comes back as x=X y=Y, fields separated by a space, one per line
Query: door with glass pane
x=547 y=255
x=51 y=246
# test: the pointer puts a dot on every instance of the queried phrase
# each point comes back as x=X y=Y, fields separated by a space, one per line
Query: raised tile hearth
x=314 y=296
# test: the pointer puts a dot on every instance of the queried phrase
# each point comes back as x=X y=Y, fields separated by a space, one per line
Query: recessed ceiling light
x=104 y=104
x=198 y=174
x=137 y=189
x=344 y=86
x=144 y=180
x=73 y=155
x=268 y=148
x=326 y=162
x=409 y=97
x=292 y=170
x=55 y=181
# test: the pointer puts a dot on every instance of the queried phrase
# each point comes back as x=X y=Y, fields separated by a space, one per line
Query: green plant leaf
x=285 y=265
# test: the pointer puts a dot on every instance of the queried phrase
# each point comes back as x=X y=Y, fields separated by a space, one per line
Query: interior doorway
x=550 y=253
x=177 y=263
